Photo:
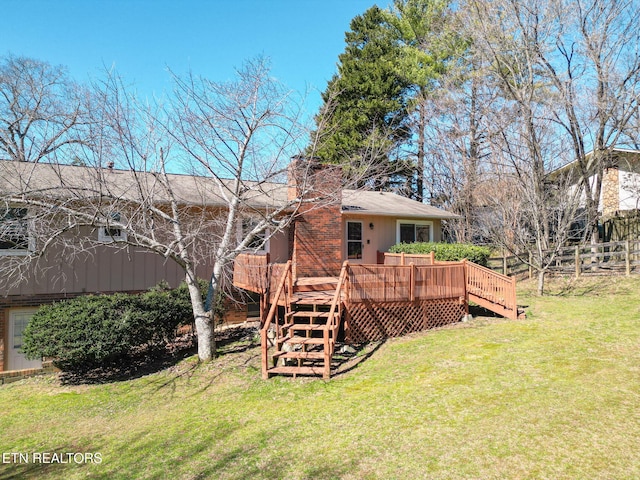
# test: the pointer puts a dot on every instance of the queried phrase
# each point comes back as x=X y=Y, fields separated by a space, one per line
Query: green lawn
x=553 y=396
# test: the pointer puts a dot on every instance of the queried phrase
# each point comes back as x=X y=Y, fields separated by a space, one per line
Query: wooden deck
x=301 y=317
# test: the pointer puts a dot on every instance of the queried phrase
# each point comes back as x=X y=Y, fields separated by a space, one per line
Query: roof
x=55 y=180
x=616 y=153
x=67 y=181
x=364 y=202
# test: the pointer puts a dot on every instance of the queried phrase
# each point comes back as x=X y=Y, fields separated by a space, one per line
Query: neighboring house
x=619 y=202
x=354 y=227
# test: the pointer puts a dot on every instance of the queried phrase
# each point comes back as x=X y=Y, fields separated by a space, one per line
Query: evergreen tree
x=364 y=118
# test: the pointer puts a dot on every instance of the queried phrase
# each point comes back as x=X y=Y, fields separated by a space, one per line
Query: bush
x=93 y=330
x=446 y=251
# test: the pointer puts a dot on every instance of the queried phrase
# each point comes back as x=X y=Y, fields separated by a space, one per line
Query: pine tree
x=364 y=118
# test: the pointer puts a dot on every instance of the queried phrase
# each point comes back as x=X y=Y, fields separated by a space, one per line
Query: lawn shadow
x=134 y=366
x=230 y=340
x=349 y=356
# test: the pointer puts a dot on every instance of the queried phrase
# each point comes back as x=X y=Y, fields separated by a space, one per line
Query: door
x=354 y=242
x=18 y=320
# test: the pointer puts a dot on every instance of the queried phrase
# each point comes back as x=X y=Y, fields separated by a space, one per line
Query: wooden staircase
x=301 y=349
x=302 y=326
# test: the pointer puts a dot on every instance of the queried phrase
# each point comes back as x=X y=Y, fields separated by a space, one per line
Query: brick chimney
x=315 y=237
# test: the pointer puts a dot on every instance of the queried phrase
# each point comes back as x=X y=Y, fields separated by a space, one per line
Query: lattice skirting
x=366 y=322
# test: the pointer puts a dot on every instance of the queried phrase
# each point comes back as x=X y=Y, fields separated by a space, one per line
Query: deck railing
x=403 y=277
x=398 y=283
x=489 y=288
x=407 y=258
x=252 y=272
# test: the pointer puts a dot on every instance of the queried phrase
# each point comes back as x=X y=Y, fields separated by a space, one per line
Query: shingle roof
x=363 y=202
x=68 y=180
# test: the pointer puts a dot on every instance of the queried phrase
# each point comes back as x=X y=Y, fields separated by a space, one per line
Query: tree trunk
x=541 y=274
x=422 y=122
x=203 y=320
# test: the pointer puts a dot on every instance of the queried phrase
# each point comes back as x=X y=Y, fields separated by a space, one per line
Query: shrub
x=446 y=251
x=93 y=330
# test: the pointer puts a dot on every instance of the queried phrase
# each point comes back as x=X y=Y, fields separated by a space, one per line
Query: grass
x=553 y=396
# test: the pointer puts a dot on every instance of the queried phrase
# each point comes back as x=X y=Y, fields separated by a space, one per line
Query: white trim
x=414 y=222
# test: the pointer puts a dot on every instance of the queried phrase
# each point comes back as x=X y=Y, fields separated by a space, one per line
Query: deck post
x=432 y=256
x=401 y=258
x=264 y=346
x=412 y=282
x=466 y=286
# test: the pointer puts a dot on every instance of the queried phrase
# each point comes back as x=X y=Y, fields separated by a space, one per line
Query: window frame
x=30 y=240
x=348 y=241
x=415 y=223
x=104 y=237
x=244 y=226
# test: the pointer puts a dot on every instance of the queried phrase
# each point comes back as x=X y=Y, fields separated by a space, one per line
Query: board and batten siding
x=105 y=269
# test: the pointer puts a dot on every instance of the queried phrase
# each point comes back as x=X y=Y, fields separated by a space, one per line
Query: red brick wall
x=316 y=235
x=317 y=243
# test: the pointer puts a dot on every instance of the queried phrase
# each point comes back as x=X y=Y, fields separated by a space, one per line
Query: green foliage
x=446 y=251
x=365 y=114
x=92 y=330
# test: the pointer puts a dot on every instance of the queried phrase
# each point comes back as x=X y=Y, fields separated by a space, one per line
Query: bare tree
x=533 y=215
x=234 y=138
x=42 y=111
x=592 y=61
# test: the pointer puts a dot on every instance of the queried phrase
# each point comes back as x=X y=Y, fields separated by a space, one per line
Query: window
x=354 y=240
x=259 y=242
x=111 y=233
x=14 y=231
x=411 y=232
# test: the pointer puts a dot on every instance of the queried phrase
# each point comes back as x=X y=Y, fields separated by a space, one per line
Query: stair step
x=302 y=355
x=306 y=370
x=309 y=327
x=303 y=314
x=296 y=340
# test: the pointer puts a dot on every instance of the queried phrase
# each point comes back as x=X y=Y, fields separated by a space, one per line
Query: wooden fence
x=610 y=258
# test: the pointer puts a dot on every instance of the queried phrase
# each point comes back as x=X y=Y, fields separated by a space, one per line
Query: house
x=619 y=201
x=334 y=285
x=355 y=225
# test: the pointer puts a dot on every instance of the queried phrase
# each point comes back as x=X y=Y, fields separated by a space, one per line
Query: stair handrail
x=508 y=285
x=333 y=325
x=270 y=316
x=337 y=296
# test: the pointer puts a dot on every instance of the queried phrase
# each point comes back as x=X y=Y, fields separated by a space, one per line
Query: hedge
x=94 y=330
x=446 y=251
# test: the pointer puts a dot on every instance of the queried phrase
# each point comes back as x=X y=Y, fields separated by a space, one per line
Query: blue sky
x=303 y=38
